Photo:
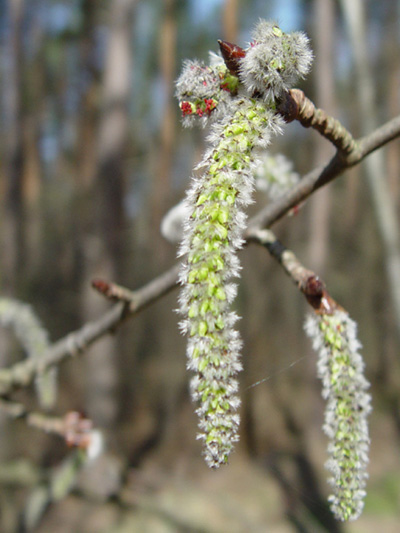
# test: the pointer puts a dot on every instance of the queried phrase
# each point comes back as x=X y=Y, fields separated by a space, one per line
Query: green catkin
x=340 y=367
x=216 y=219
x=214 y=234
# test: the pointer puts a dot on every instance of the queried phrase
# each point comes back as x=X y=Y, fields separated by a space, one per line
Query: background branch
x=22 y=374
x=376 y=168
x=73 y=427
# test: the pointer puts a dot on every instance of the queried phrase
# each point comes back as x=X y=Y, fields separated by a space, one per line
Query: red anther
x=231 y=53
x=210 y=105
x=186 y=108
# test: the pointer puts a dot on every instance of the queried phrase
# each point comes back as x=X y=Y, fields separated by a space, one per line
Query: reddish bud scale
x=232 y=54
x=318 y=297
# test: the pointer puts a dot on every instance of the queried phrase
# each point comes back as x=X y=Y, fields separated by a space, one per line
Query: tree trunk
x=13 y=238
x=104 y=246
x=375 y=167
x=230 y=20
x=320 y=204
x=161 y=196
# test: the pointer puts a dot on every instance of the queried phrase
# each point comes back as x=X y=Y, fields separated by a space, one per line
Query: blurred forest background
x=92 y=157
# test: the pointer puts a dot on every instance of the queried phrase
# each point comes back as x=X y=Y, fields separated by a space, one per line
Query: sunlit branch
x=319 y=177
x=296 y=106
x=22 y=374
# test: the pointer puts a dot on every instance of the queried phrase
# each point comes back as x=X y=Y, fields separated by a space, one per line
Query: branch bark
x=306 y=280
x=319 y=177
x=376 y=169
x=22 y=374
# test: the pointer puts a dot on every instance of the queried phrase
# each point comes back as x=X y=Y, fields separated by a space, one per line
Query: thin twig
x=319 y=177
x=306 y=280
x=74 y=428
x=22 y=374
x=48 y=424
x=112 y=291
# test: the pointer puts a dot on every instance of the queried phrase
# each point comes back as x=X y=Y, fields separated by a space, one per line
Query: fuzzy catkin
x=204 y=92
x=275 y=175
x=340 y=368
x=212 y=237
x=216 y=219
x=275 y=60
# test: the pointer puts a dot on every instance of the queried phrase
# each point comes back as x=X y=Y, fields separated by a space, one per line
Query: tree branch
x=379 y=137
x=296 y=106
x=312 y=287
x=323 y=175
x=73 y=427
x=22 y=374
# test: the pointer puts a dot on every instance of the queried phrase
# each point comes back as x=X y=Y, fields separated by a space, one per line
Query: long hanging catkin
x=216 y=205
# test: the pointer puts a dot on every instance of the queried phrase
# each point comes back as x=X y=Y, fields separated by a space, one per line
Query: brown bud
x=231 y=53
x=313 y=290
x=318 y=297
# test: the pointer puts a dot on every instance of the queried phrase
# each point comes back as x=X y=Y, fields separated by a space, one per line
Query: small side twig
x=306 y=280
x=135 y=301
x=74 y=428
x=22 y=374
